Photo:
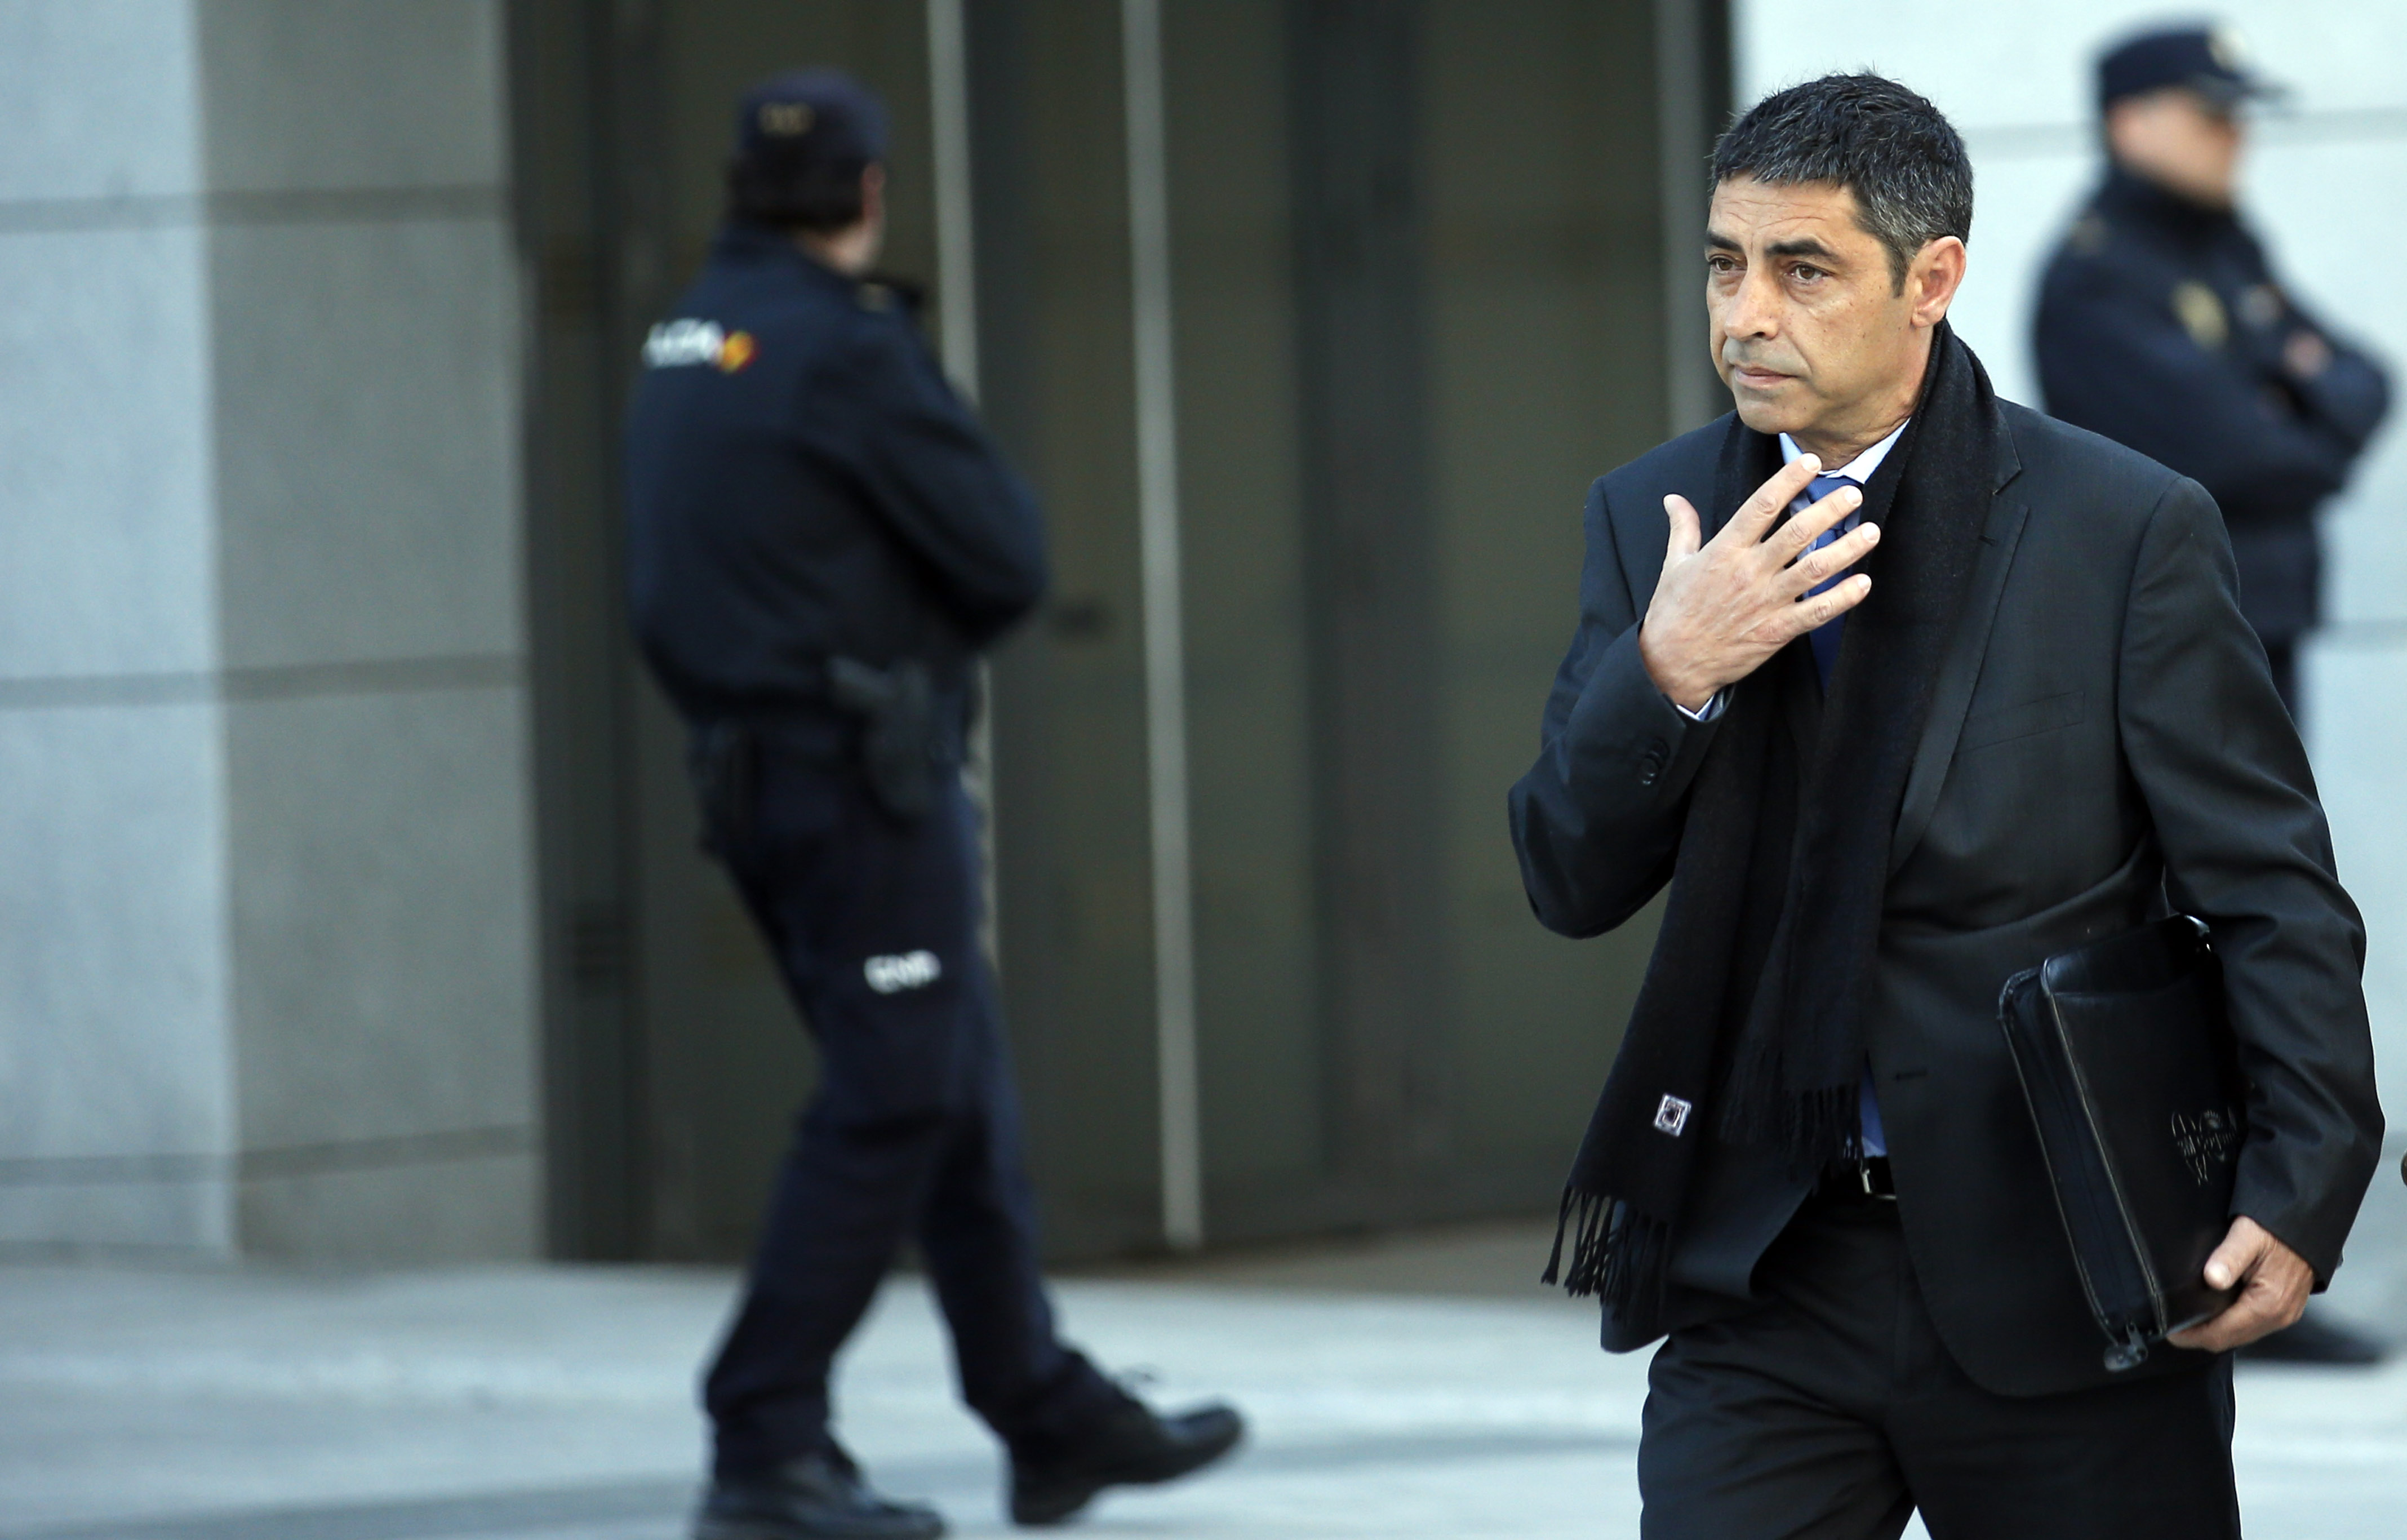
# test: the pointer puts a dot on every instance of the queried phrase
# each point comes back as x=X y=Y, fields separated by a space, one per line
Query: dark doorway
x=1418 y=250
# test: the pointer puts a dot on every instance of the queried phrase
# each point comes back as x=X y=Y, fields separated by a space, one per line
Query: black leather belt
x=1863 y=1180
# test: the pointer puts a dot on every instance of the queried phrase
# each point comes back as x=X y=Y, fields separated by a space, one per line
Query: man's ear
x=1933 y=277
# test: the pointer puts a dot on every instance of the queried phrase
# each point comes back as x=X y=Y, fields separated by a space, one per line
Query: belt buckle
x=1873 y=1175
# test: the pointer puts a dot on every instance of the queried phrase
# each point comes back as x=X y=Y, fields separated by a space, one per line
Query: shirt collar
x=1859 y=470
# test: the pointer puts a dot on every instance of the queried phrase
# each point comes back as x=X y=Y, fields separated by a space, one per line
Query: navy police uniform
x=820 y=538
x=2161 y=326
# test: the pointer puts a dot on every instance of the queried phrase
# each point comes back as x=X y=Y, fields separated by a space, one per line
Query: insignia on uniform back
x=876 y=296
x=681 y=344
x=2201 y=313
x=2088 y=235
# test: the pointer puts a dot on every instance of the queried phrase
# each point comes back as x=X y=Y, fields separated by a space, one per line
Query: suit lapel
x=1960 y=670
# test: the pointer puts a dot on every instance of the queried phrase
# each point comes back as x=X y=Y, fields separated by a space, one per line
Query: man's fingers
x=1812 y=614
x=1685 y=529
x=1813 y=570
x=2260 y=1311
x=1755 y=516
x=2253 y=1315
x=1810 y=525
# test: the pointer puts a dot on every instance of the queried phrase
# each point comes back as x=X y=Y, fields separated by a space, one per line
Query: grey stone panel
x=100 y=97
x=366 y=441
x=115 y=1213
x=381 y=916
x=464 y=1210
x=113 y=987
x=353 y=93
x=106 y=549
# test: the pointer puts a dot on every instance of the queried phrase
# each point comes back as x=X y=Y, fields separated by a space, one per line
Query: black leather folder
x=2134 y=1086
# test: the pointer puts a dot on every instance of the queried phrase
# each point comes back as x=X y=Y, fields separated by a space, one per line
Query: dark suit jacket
x=2104 y=733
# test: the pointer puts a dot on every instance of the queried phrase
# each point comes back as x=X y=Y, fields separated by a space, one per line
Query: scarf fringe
x=1617 y=1253
x=1808 y=1129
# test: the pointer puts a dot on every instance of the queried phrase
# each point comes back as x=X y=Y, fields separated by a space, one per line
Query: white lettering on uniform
x=902 y=971
x=673 y=343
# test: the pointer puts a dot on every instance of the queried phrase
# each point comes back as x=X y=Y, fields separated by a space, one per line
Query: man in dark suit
x=1902 y=688
x=2161 y=325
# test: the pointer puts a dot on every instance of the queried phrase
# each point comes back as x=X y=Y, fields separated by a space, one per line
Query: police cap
x=2206 y=60
x=802 y=140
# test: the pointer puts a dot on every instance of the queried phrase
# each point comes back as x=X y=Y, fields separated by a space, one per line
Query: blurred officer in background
x=820 y=540
x=2161 y=325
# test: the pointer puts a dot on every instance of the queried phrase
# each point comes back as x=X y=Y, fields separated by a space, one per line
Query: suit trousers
x=914 y=1129
x=1833 y=1410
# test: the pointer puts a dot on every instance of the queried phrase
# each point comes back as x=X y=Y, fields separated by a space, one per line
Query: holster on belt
x=902 y=739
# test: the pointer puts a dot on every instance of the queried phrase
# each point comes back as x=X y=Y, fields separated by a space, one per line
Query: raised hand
x=1722 y=607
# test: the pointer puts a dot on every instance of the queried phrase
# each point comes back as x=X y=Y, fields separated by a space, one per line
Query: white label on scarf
x=1672 y=1116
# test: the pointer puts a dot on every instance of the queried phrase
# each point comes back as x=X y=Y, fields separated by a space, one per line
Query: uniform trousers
x=914 y=1129
x=1833 y=1410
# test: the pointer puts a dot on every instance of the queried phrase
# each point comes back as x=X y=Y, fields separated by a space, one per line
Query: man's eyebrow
x=1803 y=247
x=1806 y=247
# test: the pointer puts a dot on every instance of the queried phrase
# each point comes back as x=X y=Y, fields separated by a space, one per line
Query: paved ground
x=1399 y=1388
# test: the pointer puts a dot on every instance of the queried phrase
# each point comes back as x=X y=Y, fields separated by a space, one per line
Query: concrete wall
x=267 y=965
x=2321 y=187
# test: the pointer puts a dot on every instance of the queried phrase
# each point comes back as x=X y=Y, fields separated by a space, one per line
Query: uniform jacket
x=803 y=483
x=2161 y=325
x=2104 y=730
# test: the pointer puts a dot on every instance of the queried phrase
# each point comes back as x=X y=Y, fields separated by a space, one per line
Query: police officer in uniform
x=2161 y=325
x=820 y=540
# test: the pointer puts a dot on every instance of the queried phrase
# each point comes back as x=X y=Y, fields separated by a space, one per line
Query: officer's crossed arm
x=2114 y=358
x=939 y=480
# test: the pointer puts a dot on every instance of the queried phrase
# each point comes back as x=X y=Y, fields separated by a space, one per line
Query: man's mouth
x=1755 y=379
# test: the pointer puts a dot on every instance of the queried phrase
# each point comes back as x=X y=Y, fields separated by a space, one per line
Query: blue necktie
x=1825 y=638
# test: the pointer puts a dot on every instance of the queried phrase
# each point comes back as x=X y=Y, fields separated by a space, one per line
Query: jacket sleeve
x=2247 y=849
x=2114 y=359
x=890 y=419
x=1596 y=822
x=2351 y=396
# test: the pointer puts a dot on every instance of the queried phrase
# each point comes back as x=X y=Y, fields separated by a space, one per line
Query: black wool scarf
x=1750 y=1024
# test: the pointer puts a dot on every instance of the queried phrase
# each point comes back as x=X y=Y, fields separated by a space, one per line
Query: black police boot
x=1127 y=1445
x=2315 y=1339
x=812 y=1497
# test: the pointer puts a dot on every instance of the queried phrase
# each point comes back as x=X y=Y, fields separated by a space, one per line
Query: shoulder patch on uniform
x=687 y=343
x=2088 y=235
x=876 y=296
x=2201 y=314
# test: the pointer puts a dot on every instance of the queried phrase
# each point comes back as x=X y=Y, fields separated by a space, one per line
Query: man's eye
x=1721 y=264
x=1803 y=273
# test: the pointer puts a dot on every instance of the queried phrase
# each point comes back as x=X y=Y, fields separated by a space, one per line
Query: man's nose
x=1753 y=311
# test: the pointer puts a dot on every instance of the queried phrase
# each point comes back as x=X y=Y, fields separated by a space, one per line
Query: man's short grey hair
x=1899 y=155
